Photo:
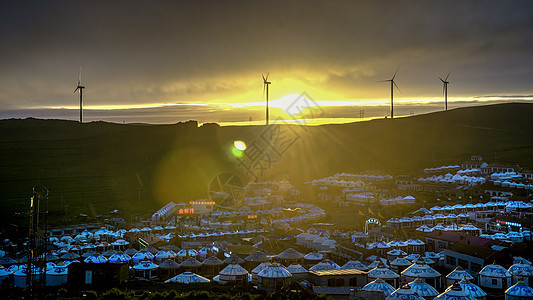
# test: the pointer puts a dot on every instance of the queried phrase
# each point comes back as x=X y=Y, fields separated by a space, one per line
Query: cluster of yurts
x=268 y=271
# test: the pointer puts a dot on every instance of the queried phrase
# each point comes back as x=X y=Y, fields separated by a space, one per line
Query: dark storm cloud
x=181 y=51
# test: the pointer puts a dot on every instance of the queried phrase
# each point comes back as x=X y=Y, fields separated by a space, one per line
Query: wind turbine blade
x=441 y=80
x=443 y=88
x=264 y=79
x=395 y=73
x=396 y=86
x=384 y=80
x=75 y=90
x=447 y=77
x=267 y=76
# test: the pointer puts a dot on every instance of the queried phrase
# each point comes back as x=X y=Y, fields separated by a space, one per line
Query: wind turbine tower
x=445 y=90
x=392 y=85
x=80 y=88
x=266 y=83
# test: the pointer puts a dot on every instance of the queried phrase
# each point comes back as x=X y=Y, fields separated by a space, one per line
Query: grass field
x=97 y=167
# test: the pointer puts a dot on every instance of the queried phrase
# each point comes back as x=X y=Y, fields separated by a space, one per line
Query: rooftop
x=338 y=272
x=473 y=250
x=455 y=237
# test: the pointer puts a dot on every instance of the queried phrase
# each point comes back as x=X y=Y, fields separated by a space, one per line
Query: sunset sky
x=139 y=54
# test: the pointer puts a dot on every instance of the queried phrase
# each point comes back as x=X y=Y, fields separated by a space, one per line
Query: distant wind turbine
x=80 y=87
x=392 y=85
x=445 y=90
x=266 y=83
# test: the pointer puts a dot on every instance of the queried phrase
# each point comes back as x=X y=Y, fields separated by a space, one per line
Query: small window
x=450 y=260
x=331 y=282
x=475 y=268
x=494 y=282
x=462 y=263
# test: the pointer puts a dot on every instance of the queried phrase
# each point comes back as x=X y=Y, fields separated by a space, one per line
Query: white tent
x=188 y=277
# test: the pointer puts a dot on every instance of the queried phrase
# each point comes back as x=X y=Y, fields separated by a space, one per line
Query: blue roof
x=495 y=271
x=382 y=273
x=521 y=269
x=404 y=293
x=188 y=277
x=275 y=270
x=422 y=288
x=520 y=289
x=455 y=292
x=472 y=289
x=354 y=264
x=379 y=285
x=458 y=274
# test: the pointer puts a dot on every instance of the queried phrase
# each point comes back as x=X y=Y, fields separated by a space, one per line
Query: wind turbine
x=445 y=90
x=266 y=83
x=80 y=87
x=392 y=85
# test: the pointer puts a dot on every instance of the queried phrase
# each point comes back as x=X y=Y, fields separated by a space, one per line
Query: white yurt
x=519 y=291
x=188 y=277
x=290 y=255
x=298 y=272
x=145 y=269
x=457 y=275
x=57 y=276
x=120 y=244
x=472 y=289
x=325 y=265
x=494 y=277
x=313 y=258
x=376 y=262
x=386 y=274
x=165 y=254
x=19 y=277
x=119 y=257
x=354 y=264
x=522 y=271
x=400 y=264
x=404 y=293
x=212 y=265
x=4 y=274
x=142 y=255
x=130 y=251
x=168 y=269
x=96 y=259
x=454 y=292
x=415 y=245
x=255 y=271
x=395 y=253
x=420 y=269
x=191 y=264
x=423 y=289
x=379 y=285
x=412 y=257
x=300 y=239
x=233 y=273
x=186 y=252
x=274 y=277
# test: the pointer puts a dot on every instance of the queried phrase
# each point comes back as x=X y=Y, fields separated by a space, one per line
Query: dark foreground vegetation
x=159 y=291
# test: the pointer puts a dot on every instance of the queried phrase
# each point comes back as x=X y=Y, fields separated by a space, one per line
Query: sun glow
x=239 y=145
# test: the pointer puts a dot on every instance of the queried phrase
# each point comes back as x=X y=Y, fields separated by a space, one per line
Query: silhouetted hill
x=96 y=167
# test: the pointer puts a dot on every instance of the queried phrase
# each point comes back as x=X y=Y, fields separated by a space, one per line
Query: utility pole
x=37 y=240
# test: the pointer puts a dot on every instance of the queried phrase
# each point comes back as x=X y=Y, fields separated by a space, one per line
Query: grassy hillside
x=96 y=167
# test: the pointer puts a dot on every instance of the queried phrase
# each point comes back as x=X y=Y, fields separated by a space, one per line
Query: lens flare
x=238 y=148
x=239 y=145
